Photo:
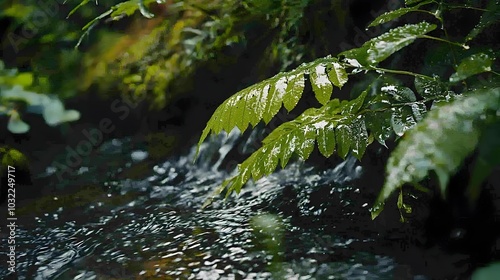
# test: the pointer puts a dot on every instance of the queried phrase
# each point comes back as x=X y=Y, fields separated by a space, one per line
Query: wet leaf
x=489 y=17
x=383 y=46
x=440 y=143
x=343 y=140
x=399 y=94
x=428 y=87
x=392 y=15
x=359 y=137
x=320 y=83
x=379 y=124
x=354 y=105
x=472 y=65
x=263 y=100
x=326 y=138
x=402 y=120
x=337 y=75
x=419 y=110
x=307 y=138
x=293 y=91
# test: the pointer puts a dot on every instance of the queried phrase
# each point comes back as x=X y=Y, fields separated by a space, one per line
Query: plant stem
x=427 y=12
x=467 y=7
x=445 y=41
x=401 y=72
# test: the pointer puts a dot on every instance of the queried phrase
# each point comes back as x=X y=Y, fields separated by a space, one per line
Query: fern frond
x=324 y=125
x=262 y=101
x=440 y=143
x=337 y=126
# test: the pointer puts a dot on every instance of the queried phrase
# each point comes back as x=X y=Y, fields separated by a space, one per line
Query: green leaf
x=307 y=139
x=82 y=3
x=412 y=2
x=354 y=105
x=379 y=124
x=321 y=85
x=337 y=75
x=13 y=157
x=488 y=158
x=428 y=87
x=262 y=101
x=489 y=17
x=323 y=125
x=326 y=138
x=277 y=92
x=343 y=140
x=419 y=110
x=293 y=91
x=392 y=15
x=399 y=94
x=378 y=49
x=402 y=120
x=472 y=65
x=440 y=143
x=359 y=137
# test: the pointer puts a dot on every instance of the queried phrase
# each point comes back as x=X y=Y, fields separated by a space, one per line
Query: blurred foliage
x=146 y=48
x=486 y=273
x=17 y=95
x=157 y=55
x=11 y=157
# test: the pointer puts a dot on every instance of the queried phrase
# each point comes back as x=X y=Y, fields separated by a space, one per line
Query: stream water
x=151 y=226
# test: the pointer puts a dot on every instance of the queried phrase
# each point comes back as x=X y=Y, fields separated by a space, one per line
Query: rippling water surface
x=152 y=227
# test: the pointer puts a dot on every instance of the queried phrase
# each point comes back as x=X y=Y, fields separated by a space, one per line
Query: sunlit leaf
x=337 y=75
x=321 y=85
x=262 y=101
x=293 y=91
